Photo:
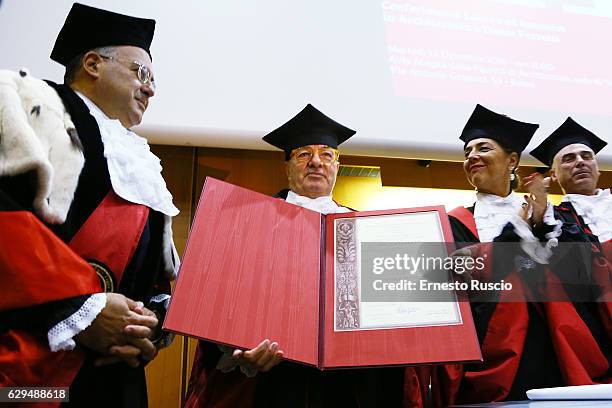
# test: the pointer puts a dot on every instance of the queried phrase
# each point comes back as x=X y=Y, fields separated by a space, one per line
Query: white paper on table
x=578 y=392
x=408 y=227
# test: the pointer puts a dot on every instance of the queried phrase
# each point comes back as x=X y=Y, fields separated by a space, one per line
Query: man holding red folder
x=259 y=377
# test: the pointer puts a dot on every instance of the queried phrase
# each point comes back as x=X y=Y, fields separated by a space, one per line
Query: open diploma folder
x=257 y=268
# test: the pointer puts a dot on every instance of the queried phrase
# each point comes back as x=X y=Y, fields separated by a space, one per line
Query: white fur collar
x=595 y=210
x=32 y=120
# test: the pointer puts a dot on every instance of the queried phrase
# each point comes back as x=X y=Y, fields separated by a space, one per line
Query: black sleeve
x=462 y=235
x=41 y=317
x=540 y=231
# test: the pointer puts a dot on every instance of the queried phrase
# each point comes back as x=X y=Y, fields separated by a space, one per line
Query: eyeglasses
x=145 y=76
x=326 y=154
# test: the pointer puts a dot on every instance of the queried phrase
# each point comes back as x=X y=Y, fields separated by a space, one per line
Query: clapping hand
x=537 y=200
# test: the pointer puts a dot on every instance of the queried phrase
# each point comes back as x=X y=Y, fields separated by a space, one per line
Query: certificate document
x=256 y=268
x=352 y=311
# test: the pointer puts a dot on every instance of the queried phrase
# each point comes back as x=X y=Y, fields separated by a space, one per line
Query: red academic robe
x=36 y=268
x=45 y=273
x=524 y=345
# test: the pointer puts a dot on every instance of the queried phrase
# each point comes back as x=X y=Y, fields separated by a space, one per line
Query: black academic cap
x=88 y=27
x=309 y=127
x=509 y=133
x=568 y=133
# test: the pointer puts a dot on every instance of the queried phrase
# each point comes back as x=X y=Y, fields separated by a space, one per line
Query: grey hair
x=74 y=66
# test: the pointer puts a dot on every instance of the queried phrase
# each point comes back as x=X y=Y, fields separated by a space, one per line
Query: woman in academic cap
x=515 y=344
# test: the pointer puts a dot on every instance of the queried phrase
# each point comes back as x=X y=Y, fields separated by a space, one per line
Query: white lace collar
x=595 y=210
x=492 y=213
x=135 y=172
x=323 y=205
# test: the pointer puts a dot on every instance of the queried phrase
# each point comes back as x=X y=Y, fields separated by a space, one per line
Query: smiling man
x=108 y=84
x=59 y=327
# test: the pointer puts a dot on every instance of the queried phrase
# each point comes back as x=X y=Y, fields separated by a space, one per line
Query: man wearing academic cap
x=114 y=236
x=258 y=377
x=586 y=214
x=310 y=141
x=570 y=153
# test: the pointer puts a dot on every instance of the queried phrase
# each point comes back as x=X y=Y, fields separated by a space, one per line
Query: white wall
x=405 y=74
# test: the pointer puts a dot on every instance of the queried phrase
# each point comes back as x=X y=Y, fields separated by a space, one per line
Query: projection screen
x=405 y=74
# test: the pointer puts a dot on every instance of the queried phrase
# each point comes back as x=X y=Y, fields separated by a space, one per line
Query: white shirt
x=595 y=210
x=135 y=172
x=492 y=213
x=323 y=205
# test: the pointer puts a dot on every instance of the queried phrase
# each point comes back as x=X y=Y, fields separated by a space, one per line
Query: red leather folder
x=257 y=268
